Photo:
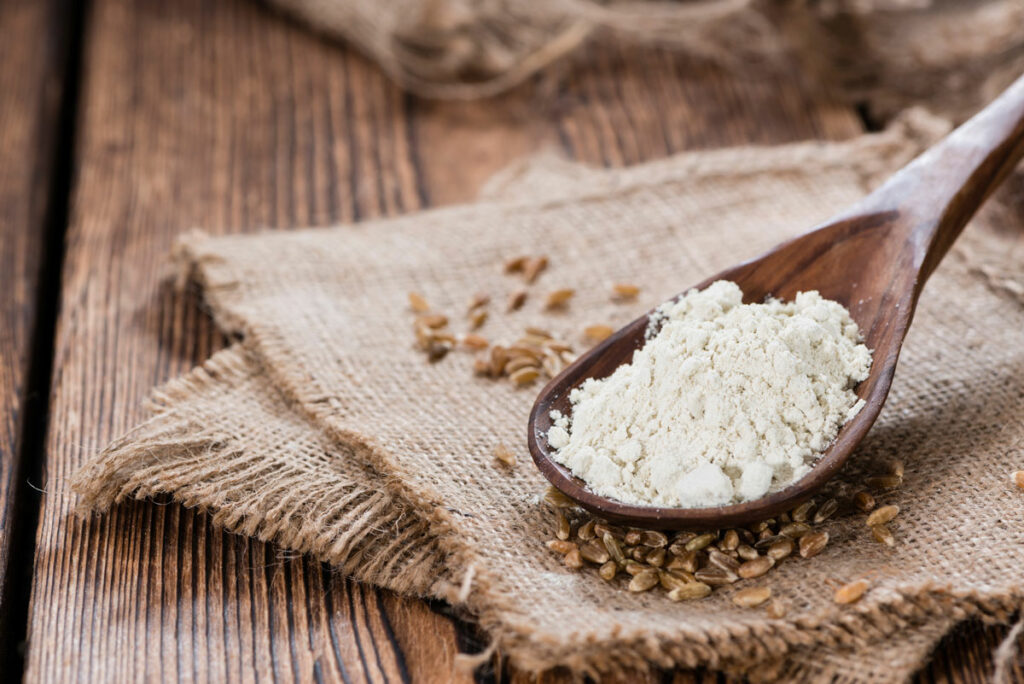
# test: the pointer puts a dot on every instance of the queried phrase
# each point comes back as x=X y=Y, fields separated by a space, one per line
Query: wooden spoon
x=874 y=259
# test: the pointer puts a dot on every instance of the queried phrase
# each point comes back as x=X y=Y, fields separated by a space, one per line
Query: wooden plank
x=30 y=87
x=221 y=115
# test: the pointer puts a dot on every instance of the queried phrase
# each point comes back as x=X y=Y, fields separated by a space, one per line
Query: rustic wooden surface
x=30 y=89
x=221 y=115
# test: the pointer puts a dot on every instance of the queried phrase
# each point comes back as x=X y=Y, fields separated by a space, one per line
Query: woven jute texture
x=952 y=56
x=326 y=431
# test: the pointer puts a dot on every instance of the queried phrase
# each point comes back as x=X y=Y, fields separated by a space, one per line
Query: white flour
x=727 y=402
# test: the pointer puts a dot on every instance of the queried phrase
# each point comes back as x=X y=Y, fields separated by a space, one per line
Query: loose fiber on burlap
x=326 y=431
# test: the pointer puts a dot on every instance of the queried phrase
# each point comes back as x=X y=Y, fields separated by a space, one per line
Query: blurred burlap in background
x=951 y=55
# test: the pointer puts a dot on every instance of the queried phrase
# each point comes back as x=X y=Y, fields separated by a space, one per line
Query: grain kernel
x=573 y=560
x=864 y=501
x=561 y=546
x=504 y=455
x=558 y=298
x=418 y=303
x=883 y=535
x=690 y=592
x=598 y=333
x=644 y=581
x=625 y=290
x=756 y=567
x=851 y=593
x=1018 y=479
x=533 y=268
x=751 y=596
x=882 y=515
x=812 y=544
x=516 y=300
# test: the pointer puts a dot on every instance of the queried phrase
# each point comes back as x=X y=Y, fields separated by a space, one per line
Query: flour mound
x=725 y=403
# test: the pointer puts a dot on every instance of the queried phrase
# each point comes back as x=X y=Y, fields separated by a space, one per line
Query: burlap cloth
x=953 y=55
x=325 y=431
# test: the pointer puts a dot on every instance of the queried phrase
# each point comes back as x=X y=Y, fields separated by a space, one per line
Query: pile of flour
x=725 y=403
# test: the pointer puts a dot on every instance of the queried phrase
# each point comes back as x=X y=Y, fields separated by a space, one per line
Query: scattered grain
x=472 y=341
x=477 y=319
x=756 y=567
x=794 y=530
x=779 y=549
x=433 y=321
x=747 y=552
x=776 y=609
x=595 y=553
x=644 y=581
x=516 y=300
x=524 y=376
x=751 y=597
x=1018 y=479
x=504 y=455
x=561 y=546
x=517 y=363
x=812 y=544
x=721 y=560
x=825 y=511
x=515 y=264
x=655 y=558
x=558 y=298
x=851 y=593
x=437 y=351
x=884 y=481
x=534 y=267
x=418 y=303
x=598 y=333
x=624 y=291
x=653 y=538
x=562 y=530
x=716 y=576
x=690 y=592
x=573 y=560
x=557 y=499
x=687 y=562
x=608 y=571
x=586 y=531
x=864 y=501
x=882 y=515
x=478 y=300
x=883 y=535
x=632 y=537
x=614 y=550
x=701 y=541
x=802 y=512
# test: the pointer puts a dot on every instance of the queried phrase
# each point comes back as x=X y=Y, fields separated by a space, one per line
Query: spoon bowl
x=873 y=259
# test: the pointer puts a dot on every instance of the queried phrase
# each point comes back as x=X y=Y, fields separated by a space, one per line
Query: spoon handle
x=938 y=193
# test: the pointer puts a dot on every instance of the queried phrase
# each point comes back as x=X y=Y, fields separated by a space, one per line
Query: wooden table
x=125 y=123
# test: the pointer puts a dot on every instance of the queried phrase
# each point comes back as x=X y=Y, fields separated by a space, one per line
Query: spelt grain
x=864 y=501
x=825 y=511
x=751 y=597
x=756 y=567
x=851 y=593
x=883 y=535
x=812 y=544
x=504 y=455
x=598 y=333
x=882 y=515
x=418 y=303
x=644 y=581
x=690 y=592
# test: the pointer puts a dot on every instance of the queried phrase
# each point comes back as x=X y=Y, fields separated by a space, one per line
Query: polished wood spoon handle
x=938 y=192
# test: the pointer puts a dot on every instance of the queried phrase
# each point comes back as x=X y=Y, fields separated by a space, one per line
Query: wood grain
x=222 y=115
x=30 y=86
